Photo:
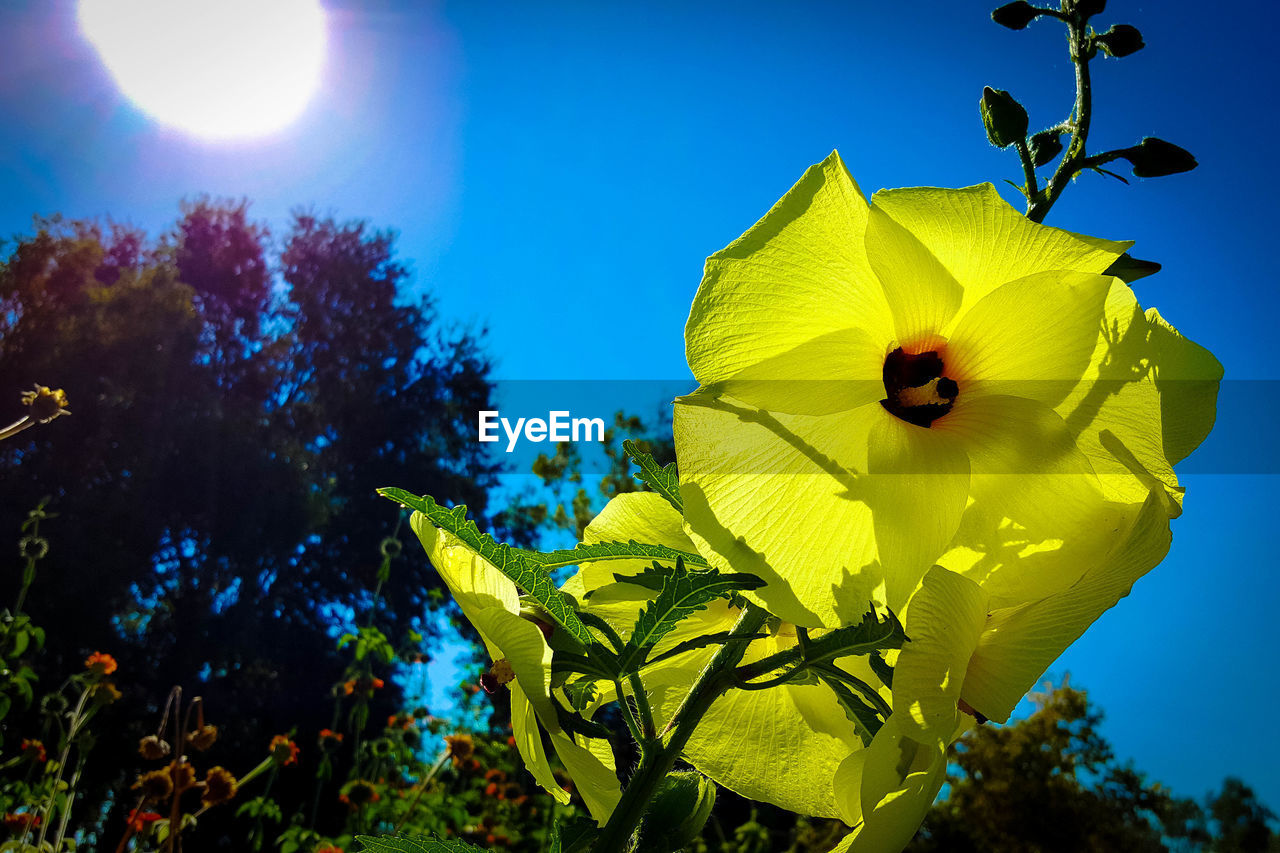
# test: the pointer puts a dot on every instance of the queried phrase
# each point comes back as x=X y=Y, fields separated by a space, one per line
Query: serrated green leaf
x=862 y=715
x=881 y=668
x=529 y=575
x=873 y=633
x=717 y=638
x=424 y=844
x=599 y=552
x=683 y=593
x=663 y=480
x=581 y=692
x=573 y=835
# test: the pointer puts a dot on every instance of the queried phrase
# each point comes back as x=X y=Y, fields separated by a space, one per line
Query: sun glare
x=218 y=69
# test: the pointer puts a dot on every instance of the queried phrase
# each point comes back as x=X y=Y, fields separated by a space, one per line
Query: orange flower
x=34 y=750
x=100 y=663
x=283 y=750
x=330 y=735
x=17 y=822
x=378 y=684
x=348 y=687
x=139 y=821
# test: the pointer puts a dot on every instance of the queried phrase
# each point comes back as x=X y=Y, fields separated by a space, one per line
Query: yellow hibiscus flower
x=491 y=602
x=928 y=378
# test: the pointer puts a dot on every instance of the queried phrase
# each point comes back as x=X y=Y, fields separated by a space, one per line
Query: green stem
x=714 y=679
x=72 y=730
x=421 y=786
x=1073 y=160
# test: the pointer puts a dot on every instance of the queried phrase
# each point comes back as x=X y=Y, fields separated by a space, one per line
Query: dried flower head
x=46 y=403
x=461 y=748
x=156 y=785
x=153 y=748
x=203 y=737
x=219 y=787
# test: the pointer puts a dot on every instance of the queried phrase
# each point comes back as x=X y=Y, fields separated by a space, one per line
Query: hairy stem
x=714 y=679
x=1074 y=159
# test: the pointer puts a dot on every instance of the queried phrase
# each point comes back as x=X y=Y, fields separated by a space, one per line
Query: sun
x=217 y=69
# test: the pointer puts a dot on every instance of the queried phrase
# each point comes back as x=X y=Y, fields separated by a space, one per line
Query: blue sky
x=558 y=173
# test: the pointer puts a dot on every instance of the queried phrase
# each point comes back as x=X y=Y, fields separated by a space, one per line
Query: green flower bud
x=678 y=811
x=1120 y=40
x=1003 y=117
x=1155 y=158
x=1015 y=15
x=1045 y=145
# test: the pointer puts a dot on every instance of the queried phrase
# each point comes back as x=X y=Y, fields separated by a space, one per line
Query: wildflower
x=34 y=750
x=203 y=737
x=46 y=403
x=358 y=792
x=100 y=663
x=491 y=602
x=283 y=750
x=153 y=748
x=219 y=786
x=106 y=693
x=931 y=378
x=460 y=747
x=348 y=687
x=155 y=785
x=491 y=789
x=19 y=822
x=378 y=684
x=139 y=820
x=328 y=736
x=183 y=774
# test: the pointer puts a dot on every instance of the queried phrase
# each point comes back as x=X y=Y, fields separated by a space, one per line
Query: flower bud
x=1003 y=117
x=678 y=811
x=1045 y=145
x=1120 y=40
x=1015 y=15
x=1155 y=158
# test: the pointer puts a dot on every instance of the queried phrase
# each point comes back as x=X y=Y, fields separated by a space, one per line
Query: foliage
x=235 y=406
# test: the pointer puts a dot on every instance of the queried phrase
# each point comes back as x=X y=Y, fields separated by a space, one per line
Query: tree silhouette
x=234 y=409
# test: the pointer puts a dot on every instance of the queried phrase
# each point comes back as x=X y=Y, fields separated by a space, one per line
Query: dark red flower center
x=915 y=387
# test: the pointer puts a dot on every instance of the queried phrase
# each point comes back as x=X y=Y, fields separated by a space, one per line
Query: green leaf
x=572 y=835
x=683 y=593
x=528 y=574
x=714 y=639
x=881 y=668
x=581 y=692
x=873 y=633
x=598 y=552
x=862 y=715
x=424 y=844
x=663 y=480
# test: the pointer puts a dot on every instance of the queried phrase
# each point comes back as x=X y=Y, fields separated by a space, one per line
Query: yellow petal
x=984 y=242
x=802 y=503
x=922 y=295
x=781 y=745
x=590 y=765
x=943 y=621
x=1031 y=338
x=1147 y=401
x=797 y=274
x=1020 y=643
x=835 y=372
x=1037 y=516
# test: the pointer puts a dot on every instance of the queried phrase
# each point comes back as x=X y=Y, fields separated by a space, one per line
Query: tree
x=1052 y=783
x=234 y=410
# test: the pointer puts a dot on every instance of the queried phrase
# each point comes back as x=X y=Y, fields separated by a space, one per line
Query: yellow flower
x=491 y=602
x=929 y=378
